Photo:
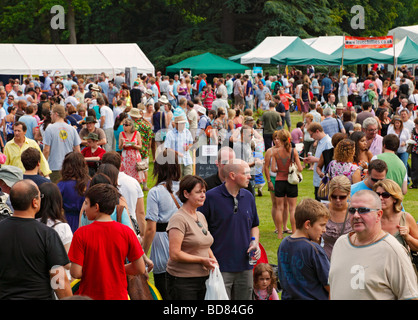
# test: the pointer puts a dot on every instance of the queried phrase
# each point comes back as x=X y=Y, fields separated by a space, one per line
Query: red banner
x=368 y=43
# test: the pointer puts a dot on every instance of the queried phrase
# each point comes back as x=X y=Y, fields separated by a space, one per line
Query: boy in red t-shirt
x=99 y=251
x=93 y=153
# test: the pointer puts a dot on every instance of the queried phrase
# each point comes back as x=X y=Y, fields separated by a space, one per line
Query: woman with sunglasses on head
x=338 y=224
x=190 y=255
x=400 y=224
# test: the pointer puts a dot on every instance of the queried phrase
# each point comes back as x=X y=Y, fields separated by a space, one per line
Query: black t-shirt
x=136 y=95
x=28 y=252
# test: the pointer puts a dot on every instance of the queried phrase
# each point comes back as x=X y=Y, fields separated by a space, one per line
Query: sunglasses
x=374 y=179
x=126 y=125
x=360 y=210
x=235 y=205
x=199 y=224
x=384 y=195
x=339 y=197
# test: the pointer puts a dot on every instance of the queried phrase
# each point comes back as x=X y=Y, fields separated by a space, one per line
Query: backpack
x=365 y=96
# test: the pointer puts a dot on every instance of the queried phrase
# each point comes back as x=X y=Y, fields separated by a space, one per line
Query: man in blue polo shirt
x=232 y=218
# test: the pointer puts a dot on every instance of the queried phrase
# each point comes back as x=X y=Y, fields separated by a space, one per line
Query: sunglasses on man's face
x=360 y=210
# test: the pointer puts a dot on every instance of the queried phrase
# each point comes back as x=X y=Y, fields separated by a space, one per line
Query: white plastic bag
x=215 y=287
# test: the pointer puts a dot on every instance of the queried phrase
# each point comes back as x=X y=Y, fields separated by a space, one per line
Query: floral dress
x=342 y=168
x=130 y=157
x=144 y=128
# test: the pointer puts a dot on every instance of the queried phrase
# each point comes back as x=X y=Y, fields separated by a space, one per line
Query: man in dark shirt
x=136 y=95
x=33 y=256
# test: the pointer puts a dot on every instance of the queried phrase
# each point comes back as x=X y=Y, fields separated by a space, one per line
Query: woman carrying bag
x=282 y=186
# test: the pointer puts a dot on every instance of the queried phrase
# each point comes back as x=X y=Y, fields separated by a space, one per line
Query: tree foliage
x=169 y=31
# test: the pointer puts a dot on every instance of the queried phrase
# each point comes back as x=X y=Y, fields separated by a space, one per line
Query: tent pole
x=395 y=72
x=342 y=57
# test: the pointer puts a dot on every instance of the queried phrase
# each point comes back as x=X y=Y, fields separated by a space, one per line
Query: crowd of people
x=77 y=153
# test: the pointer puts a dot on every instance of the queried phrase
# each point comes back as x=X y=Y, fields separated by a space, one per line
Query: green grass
x=306 y=190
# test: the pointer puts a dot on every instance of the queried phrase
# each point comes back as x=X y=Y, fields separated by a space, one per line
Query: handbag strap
x=172 y=196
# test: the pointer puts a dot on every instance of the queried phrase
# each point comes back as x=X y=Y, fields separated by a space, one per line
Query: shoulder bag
x=323 y=189
x=294 y=176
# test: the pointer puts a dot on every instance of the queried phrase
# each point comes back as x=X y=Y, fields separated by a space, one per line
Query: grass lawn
x=306 y=190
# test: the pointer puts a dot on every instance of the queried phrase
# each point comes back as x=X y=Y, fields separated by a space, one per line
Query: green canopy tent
x=283 y=50
x=207 y=63
x=359 y=56
x=406 y=51
x=300 y=53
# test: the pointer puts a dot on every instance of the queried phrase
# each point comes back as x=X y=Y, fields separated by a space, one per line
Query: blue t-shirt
x=326 y=83
x=303 y=269
x=358 y=186
x=231 y=231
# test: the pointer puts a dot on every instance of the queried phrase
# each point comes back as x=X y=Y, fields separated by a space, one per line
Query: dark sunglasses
x=126 y=125
x=235 y=205
x=374 y=179
x=205 y=232
x=360 y=210
x=339 y=197
x=384 y=195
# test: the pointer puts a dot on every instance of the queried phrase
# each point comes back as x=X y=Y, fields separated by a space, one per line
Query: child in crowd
x=297 y=133
x=212 y=116
x=303 y=265
x=264 y=287
x=259 y=181
x=99 y=250
x=357 y=127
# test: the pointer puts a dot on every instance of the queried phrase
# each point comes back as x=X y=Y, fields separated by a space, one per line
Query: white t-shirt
x=380 y=271
x=109 y=118
x=131 y=190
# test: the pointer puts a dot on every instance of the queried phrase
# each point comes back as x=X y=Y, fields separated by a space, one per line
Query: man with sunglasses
x=377 y=171
x=232 y=218
x=369 y=263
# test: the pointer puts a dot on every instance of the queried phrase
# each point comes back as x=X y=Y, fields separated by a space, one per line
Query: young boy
x=93 y=153
x=99 y=250
x=303 y=265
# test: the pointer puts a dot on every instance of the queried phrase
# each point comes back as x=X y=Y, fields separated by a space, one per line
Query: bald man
x=36 y=251
x=231 y=213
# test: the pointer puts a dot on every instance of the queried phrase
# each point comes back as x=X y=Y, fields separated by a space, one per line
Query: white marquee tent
x=400 y=33
x=32 y=59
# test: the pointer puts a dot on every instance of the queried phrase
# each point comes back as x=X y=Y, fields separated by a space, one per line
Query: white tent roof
x=268 y=48
x=401 y=32
x=328 y=44
x=83 y=58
